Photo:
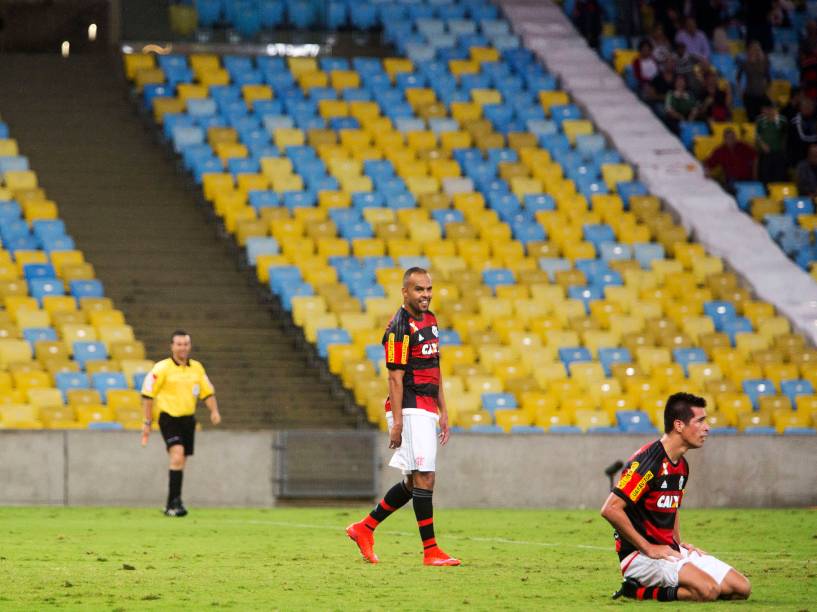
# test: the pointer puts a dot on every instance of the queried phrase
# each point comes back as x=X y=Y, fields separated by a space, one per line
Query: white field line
x=772 y=556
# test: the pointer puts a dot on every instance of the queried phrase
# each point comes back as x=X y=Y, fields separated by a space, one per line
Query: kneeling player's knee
x=743 y=588
x=709 y=591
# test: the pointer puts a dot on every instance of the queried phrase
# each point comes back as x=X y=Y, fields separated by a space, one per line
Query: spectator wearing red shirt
x=733 y=160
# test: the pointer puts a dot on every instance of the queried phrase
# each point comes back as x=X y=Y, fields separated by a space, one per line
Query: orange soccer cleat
x=435 y=556
x=364 y=538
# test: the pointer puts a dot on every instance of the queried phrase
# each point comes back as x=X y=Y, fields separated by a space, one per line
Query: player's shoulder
x=399 y=324
x=648 y=455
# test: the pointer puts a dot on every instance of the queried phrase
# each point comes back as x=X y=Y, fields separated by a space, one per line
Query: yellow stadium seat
x=19 y=416
x=14 y=351
x=43 y=397
x=586 y=419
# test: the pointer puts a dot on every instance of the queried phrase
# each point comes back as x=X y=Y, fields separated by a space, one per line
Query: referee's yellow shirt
x=175 y=388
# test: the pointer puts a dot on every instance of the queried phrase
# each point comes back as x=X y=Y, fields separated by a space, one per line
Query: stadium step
x=136 y=219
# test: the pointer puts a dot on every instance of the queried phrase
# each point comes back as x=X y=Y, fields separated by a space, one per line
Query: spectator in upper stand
x=680 y=104
x=758 y=14
x=802 y=131
x=771 y=132
x=645 y=68
x=661 y=45
x=717 y=100
x=806 y=173
x=656 y=93
x=587 y=17
x=694 y=40
x=792 y=107
x=720 y=41
x=809 y=38
x=755 y=71
x=807 y=61
x=732 y=161
x=668 y=13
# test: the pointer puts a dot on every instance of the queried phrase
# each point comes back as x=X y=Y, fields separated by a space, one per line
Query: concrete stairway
x=136 y=219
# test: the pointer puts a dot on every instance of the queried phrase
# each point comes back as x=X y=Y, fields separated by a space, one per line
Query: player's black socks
x=395 y=498
x=174 y=489
x=633 y=590
x=424 y=511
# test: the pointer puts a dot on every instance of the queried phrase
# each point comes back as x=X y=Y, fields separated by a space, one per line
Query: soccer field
x=129 y=559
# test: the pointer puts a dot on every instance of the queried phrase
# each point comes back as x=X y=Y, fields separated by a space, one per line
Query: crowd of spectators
x=674 y=75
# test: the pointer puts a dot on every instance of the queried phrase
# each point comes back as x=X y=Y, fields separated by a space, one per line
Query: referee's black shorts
x=178 y=430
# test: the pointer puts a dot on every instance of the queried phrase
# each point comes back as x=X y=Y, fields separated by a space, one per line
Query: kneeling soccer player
x=415 y=405
x=643 y=508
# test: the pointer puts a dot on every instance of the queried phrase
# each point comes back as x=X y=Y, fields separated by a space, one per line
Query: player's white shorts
x=664 y=573
x=418 y=450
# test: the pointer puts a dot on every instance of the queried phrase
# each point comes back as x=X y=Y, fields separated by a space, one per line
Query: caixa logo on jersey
x=668 y=502
x=430 y=349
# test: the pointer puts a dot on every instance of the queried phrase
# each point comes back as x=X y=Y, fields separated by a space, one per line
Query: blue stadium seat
x=138 y=379
x=799 y=431
x=87 y=288
x=793 y=388
x=646 y=252
x=634 y=421
x=258 y=245
x=565 y=429
x=498 y=276
x=598 y=233
x=760 y=431
x=498 y=401
x=687 y=356
x=486 y=429
x=104 y=381
x=603 y=429
x=526 y=429
x=280 y=276
x=85 y=351
x=690 y=129
x=106 y=426
x=723 y=431
x=576 y=354
x=39 y=271
x=746 y=191
x=757 y=388
x=615 y=251
x=798 y=206
x=33 y=335
x=608 y=357
x=65 y=381
x=552 y=265
x=41 y=287
x=293 y=290
x=327 y=337
x=450 y=337
x=737 y=325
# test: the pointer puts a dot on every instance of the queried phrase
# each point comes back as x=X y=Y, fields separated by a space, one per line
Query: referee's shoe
x=176 y=508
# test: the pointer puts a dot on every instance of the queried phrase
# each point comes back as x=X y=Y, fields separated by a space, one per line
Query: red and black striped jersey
x=653 y=487
x=413 y=345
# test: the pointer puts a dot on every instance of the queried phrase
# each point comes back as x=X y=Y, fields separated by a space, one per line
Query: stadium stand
x=68 y=358
x=746 y=78
x=573 y=301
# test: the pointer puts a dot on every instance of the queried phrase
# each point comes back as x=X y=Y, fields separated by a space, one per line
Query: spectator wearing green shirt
x=772 y=130
x=680 y=105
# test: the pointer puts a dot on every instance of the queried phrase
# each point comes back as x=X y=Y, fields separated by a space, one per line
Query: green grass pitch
x=137 y=559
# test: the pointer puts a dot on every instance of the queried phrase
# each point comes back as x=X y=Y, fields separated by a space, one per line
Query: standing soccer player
x=176 y=384
x=643 y=508
x=414 y=407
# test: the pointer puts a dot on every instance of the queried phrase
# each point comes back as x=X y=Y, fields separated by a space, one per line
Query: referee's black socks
x=424 y=512
x=174 y=489
x=395 y=498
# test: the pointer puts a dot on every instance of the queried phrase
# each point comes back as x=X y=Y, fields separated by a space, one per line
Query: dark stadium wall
x=40 y=26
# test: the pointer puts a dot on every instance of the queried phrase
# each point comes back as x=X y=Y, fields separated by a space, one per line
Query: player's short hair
x=679 y=408
x=413 y=270
x=178 y=332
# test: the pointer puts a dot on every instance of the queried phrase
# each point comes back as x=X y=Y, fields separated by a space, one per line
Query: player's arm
x=676 y=534
x=613 y=512
x=150 y=387
x=445 y=433
x=396 y=403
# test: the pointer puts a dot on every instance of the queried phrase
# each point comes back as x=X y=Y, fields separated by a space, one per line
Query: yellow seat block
x=16 y=180
x=508 y=418
x=288 y=137
x=553 y=98
x=137 y=61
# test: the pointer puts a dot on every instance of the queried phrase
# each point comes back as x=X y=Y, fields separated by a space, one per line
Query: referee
x=176 y=384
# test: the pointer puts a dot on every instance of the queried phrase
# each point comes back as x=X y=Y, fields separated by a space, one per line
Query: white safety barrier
x=663 y=164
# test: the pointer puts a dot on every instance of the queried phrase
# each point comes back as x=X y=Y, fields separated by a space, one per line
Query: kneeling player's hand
x=661 y=551
x=395 y=436
x=692 y=548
